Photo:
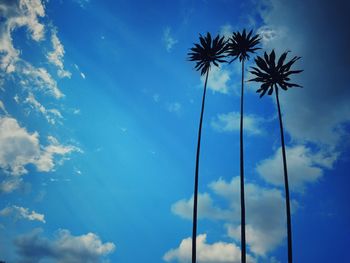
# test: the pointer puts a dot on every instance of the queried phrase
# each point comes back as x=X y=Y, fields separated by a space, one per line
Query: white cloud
x=20 y=148
x=64 y=247
x=230 y=122
x=168 y=39
x=19 y=212
x=26 y=14
x=269 y=34
x=206 y=208
x=304 y=166
x=46 y=162
x=40 y=79
x=51 y=115
x=81 y=73
x=23 y=13
x=57 y=54
x=218 y=252
x=10 y=184
x=265 y=213
x=218 y=80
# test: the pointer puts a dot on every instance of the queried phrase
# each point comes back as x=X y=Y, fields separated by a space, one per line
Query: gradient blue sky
x=99 y=112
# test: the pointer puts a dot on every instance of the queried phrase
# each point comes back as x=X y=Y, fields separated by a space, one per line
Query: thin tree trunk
x=195 y=199
x=243 y=241
x=286 y=185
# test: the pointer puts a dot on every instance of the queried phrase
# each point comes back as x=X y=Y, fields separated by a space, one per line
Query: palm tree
x=204 y=54
x=272 y=76
x=239 y=46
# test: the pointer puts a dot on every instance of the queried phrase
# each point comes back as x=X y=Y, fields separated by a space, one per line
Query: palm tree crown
x=207 y=52
x=241 y=44
x=273 y=75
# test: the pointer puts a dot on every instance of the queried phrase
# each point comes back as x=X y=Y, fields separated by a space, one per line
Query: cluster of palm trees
x=272 y=75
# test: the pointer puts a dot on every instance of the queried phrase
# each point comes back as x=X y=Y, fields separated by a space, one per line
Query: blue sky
x=99 y=111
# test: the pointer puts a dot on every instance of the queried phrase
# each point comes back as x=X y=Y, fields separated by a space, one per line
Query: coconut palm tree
x=209 y=51
x=273 y=75
x=239 y=46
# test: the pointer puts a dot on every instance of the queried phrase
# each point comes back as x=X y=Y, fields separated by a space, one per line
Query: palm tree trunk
x=195 y=199
x=243 y=241
x=286 y=185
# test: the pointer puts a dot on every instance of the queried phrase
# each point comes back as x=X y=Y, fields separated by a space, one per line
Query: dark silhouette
x=207 y=52
x=239 y=46
x=272 y=76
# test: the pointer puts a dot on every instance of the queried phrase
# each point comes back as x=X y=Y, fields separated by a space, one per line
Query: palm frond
x=209 y=51
x=241 y=44
x=273 y=75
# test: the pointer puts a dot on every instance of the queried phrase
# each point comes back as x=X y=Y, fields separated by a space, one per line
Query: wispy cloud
x=175 y=107
x=51 y=115
x=56 y=55
x=18 y=212
x=82 y=3
x=168 y=39
x=2 y=107
x=81 y=73
x=230 y=122
x=226 y=30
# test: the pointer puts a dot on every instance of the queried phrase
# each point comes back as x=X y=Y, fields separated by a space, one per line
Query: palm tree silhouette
x=204 y=54
x=239 y=46
x=272 y=76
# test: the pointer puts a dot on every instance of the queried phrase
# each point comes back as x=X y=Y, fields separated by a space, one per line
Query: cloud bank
x=62 y=248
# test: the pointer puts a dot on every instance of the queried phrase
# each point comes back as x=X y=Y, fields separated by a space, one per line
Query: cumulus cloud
x=18 y=212
x=218 y=80
x=230 y=122
x=304 y=166
x=57 y=54
x=20 y=148
x=317 y=112
x=168 y=39
x=206 y=208
x=265 y=211
x=218 y=252
x=63 y=248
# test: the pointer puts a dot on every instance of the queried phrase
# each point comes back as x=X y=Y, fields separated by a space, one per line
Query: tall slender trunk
x=195 y=199
x=243 y=242
x=286 y=185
